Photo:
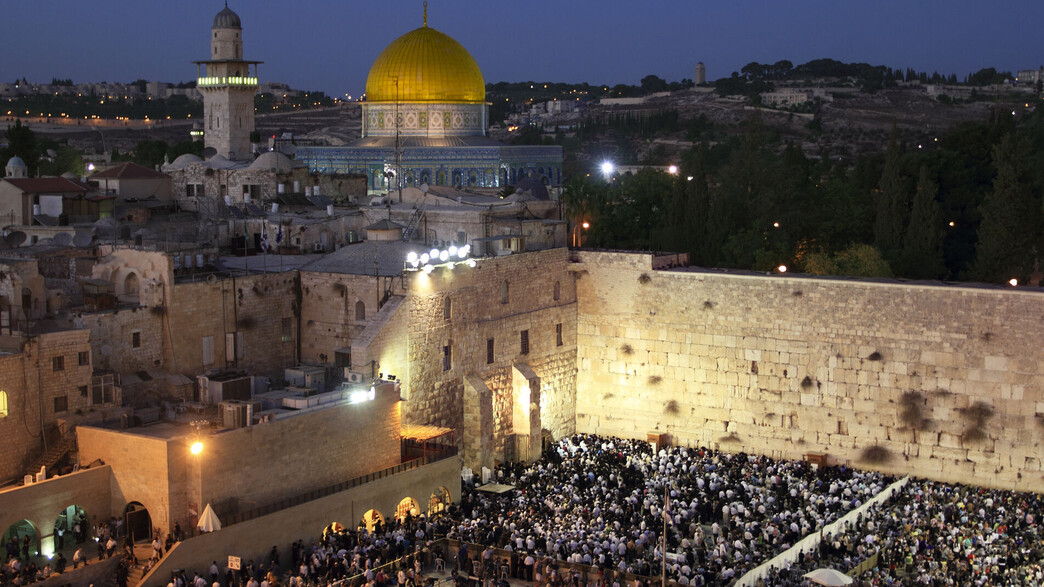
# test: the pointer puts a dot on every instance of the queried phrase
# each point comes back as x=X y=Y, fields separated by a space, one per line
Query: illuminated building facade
x=425 y=121
x=228 y=89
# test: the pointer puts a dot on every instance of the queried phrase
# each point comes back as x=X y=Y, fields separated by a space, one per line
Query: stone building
x=426 y=121
x=228 y=89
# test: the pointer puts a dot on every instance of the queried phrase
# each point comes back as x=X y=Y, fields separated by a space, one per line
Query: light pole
x=196 y=448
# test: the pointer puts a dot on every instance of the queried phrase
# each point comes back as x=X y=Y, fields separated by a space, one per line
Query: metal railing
x=299 y=499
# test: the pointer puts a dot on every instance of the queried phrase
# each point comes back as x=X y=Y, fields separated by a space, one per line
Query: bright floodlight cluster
x=427 y=262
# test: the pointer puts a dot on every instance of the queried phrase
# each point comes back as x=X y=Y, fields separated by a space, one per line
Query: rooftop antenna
x=425 y=13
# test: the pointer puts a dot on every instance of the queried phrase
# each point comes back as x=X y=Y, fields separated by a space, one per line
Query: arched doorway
x=333 y=528
x=406 y=508
x=24 y=534
x=131 y=287
x=138 y=522
x=371 y=519
x=439 y=501
x=71 y=519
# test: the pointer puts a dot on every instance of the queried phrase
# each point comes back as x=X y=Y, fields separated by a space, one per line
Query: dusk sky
x=329 y=45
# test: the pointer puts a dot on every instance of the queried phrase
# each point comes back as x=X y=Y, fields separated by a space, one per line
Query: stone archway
x=138 y=522
x=439 y=501
x=64 y=528
x=406 y=508
x=21 y=530
x=371 y=519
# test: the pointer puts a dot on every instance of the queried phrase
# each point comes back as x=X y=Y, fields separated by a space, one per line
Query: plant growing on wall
x=655 y=379
x=627 y=349
x=975 y=418
x=671 y=407
x=911 y=410
x=644 y=278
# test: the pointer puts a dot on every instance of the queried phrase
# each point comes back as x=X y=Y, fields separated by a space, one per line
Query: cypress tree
x=1008 y=232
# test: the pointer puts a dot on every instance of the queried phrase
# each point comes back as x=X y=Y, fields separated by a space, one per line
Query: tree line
x=967 y=206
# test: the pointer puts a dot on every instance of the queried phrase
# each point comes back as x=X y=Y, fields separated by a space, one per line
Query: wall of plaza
x=254 y=539
x=944 y=381
x=243 y=468
x=41 y=503
x=497 y=300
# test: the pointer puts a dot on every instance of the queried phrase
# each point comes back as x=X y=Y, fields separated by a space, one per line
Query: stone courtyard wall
x=938 y=381
x=478 y=312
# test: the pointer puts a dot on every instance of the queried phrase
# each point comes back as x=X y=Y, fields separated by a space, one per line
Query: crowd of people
x=600 y=501
x=594 y=511
x=24 y=566
x=939 y=534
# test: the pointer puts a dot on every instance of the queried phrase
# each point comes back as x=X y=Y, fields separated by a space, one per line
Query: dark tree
x=1008 y=240
x=922 y=246
x=891 y=202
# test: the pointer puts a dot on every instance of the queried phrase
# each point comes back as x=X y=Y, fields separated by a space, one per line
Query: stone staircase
x=59 y=447
x=142 y=551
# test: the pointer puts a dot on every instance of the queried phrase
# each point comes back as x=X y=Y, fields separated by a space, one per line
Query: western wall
x=940 y=381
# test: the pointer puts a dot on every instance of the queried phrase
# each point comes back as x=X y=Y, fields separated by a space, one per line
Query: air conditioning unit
x=435 y=242
x=236 y=414
x=352 y=376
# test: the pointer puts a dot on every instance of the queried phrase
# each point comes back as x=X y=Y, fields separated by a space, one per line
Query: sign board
x=233 y=563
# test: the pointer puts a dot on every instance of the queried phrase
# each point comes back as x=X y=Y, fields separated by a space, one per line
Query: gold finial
x=425 y=13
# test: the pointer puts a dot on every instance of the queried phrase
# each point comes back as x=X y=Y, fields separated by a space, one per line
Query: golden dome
x=428 y=66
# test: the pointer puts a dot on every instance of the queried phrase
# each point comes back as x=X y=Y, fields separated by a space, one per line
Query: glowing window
x=3 y=404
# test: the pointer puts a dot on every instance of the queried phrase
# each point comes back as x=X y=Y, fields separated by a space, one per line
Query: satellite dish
x=424 y=188
x=82 y=240
x=209 y=152
x=106 y=350
x=15 y=238
x=64 y=239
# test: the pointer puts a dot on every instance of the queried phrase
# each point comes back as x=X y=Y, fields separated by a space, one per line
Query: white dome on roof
x=16 y=167
x=273 y=160
x=185 y=160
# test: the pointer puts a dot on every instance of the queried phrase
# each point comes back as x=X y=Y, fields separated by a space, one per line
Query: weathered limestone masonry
x=252 y=466
x=254 y=539
x=41 y=503
x=44 y=378
x=331 y=314
x=941 y=382
x=258 y=311
x=497 y=300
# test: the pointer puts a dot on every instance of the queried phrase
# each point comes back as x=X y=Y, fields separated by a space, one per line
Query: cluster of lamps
x=451 y=256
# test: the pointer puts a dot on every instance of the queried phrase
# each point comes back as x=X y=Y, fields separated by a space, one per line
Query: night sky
x=329 y=45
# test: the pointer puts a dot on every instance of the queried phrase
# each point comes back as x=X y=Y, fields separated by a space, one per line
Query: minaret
x=228 y=89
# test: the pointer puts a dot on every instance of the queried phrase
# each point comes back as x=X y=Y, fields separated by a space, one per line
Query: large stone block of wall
x=945 y=382
x=252 y=309
x=331 y=314
x=479 y=311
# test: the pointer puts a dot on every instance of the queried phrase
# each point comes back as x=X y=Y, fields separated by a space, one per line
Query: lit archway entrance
x=333 y=528
x=138 y=522
x=407 y=507
x=65 y=526
x=20 y=531
x=371 y=519
x=439 y=501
